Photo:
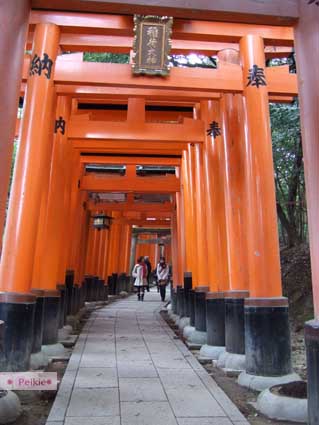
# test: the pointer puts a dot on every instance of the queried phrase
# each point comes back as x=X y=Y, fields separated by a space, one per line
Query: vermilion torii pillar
x=14 y=25
x=307 y=54
x=54 y=224
x=16 y=303
x=266 y=312
x=214 y=164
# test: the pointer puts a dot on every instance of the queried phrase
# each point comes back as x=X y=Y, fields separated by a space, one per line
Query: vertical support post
x=20 y=236
x=133 y=252
x=307 y=46
x=14 y=19
x=266 y=312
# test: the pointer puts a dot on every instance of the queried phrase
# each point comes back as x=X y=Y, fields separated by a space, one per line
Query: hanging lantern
x=101 y=221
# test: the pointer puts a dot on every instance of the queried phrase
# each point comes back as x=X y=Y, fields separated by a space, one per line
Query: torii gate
x=208 y=212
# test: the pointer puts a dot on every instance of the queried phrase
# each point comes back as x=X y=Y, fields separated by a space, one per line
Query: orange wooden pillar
x=21 y=231
x=267 y=340
x=307 y=53
x=113 y=250
x=14 y=26
x=52 y=232
x=180 y=231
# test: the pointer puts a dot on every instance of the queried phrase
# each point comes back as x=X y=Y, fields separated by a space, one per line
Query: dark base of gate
x=63 y=305
x=191 y=306
x=235 y=321
x=312 y=347
x=215 y=319
x=38 y=320
x=188 y=284
x=17 y=311
x=51 y=317
x=180 y=301
x=200 y=308
x=267 y=344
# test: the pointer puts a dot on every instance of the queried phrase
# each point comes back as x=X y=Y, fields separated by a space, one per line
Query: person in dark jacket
x=149 y=272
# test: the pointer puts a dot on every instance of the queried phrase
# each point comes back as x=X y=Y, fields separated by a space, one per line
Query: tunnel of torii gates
x=95 y=140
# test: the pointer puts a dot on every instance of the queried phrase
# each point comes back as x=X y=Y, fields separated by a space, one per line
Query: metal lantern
x=101 y=221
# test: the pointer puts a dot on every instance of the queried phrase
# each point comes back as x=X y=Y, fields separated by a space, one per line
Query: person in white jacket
x=139 y=273
x=162 y=272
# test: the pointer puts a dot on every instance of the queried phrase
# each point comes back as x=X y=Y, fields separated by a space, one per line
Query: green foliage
x=289 y=174
x=106 y=57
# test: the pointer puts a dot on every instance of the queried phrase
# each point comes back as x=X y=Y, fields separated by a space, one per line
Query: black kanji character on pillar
x=316 y=2
x=214 y=129
x=38 y=65
x=59 y=124
x=256 y=77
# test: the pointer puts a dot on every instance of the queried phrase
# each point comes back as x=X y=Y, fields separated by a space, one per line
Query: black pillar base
x=187 y=287
x=69 y=280
x=215 y=319
x=179 y=300
x=63 y=305
x=267 y=337
x=312 y=348
x=191 y=307
x=235 y=321
x=174 y=299
x=38 y=320
x=51 y=317
x=88 y=285
x=17 y=311
x=200 y=308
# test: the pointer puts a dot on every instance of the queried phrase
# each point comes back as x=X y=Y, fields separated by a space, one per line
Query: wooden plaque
x=152 y=44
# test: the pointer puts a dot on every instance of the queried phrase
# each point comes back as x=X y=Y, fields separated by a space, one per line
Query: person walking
x=149 y=272
x=139 y=272
x=162 y=272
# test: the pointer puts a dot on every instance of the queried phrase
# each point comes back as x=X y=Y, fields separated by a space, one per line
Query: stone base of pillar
x=10 y=407
x=197 y=338
x=51 y=317
x=188 y=330
x=283 y=408
x=209 y=352
x=17 y=312
x=38 y=320
x=38 y=360
x=54 y=350
x=232 y=362
x=184 y=321
x=312 y=348
x=267 y=344
x=261 y=383
x=64 y=332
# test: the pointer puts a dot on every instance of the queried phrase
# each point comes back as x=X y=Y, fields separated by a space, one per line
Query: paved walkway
x=128 y=368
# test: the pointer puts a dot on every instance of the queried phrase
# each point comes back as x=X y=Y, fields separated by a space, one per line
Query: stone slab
x=89 y=402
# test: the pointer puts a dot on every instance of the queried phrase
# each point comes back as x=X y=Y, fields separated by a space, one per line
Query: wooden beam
x=167 y=184
x=129 y=160
x=136 y=207
x=190 y=131
x=276 y=12
x=121 y=44
x=129 y=147
x=227 y=78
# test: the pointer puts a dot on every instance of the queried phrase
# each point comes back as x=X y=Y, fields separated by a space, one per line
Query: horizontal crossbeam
x=160 y=184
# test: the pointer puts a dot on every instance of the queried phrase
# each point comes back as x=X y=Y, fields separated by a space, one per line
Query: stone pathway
x=128 y=368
